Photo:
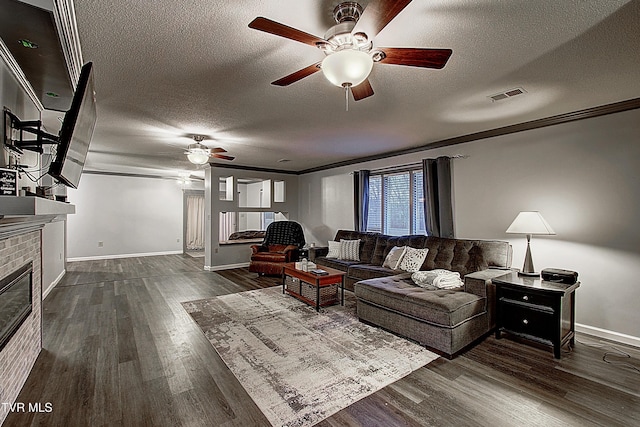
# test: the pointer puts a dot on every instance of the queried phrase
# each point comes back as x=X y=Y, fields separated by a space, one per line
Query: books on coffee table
x=319 y=272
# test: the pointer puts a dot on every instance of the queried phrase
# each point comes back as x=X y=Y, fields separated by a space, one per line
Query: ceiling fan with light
x=199 y=154
x=349 y=48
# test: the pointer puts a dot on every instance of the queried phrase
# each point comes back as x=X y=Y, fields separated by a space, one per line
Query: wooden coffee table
x=313 y=289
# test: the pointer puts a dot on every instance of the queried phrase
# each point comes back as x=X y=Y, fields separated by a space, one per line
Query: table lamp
x=529 y=223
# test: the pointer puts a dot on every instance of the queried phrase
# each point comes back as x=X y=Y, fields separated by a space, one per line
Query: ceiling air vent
x=507 y=94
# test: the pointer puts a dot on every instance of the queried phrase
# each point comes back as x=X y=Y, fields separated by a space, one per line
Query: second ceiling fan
x=349 y=49
x=199 y=154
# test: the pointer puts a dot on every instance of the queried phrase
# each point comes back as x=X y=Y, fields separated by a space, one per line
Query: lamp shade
x=530 y=223
x=347 y=67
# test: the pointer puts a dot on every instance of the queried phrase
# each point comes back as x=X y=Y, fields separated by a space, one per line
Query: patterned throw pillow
x=394 y=257
x=350 y=250
x=413 y=259
x=334 y=249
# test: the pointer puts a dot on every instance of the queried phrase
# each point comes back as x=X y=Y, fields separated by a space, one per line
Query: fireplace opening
x=15 y=301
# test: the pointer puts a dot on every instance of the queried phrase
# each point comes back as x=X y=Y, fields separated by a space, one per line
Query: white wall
x=583 y=178
x=53 y=256
x=130 y=215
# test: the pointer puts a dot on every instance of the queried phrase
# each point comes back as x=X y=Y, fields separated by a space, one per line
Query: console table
x=536 y=310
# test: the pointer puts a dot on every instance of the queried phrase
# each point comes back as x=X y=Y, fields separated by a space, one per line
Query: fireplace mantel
x=25 y=213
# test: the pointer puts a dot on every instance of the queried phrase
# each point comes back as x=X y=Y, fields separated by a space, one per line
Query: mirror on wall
x=239 y=227
x=254 y=193
x=226 y=188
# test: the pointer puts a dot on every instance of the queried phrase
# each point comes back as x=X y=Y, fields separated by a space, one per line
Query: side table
x=317 y=251
x=536 y=310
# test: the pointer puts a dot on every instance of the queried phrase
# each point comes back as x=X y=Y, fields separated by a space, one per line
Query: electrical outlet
x=215 y=251
x=178 y=240
x=100 y=244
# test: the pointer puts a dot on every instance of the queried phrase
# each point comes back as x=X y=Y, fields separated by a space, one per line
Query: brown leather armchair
x=281 y=244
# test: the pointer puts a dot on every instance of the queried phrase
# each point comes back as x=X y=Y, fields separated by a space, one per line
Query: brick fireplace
x=20 y=352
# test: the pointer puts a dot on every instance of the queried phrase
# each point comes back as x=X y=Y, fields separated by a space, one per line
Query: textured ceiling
x=166 y=69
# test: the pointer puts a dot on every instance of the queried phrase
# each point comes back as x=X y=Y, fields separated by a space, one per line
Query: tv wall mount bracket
x=34 y=127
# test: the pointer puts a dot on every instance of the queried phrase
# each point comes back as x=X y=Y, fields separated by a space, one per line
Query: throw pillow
x=394 y=257
x=350 y=250
x=334 y=249
x=413 y=259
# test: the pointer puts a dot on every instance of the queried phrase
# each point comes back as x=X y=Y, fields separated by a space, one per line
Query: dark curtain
x=360 y=199
x=438 y=204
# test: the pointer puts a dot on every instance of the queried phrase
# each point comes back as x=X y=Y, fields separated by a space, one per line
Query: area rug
x=300 y=366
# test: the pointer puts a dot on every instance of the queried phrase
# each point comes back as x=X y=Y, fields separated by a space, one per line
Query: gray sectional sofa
x=446 y=320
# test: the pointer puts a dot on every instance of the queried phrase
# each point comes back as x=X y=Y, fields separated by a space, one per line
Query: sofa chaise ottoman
x=446 y=320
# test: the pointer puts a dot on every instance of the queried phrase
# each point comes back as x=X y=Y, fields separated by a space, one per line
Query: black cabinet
x=536 y=310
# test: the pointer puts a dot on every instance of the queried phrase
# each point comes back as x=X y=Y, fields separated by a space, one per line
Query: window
x=396 y=203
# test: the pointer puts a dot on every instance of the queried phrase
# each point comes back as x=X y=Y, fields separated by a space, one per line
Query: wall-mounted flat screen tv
x=76 y=132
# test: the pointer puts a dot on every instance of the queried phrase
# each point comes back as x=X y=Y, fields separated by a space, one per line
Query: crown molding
x=129 y=175
x=66 y=26
x=252 y=168
x=18 y=74
x=587 y=113
x=64 y=15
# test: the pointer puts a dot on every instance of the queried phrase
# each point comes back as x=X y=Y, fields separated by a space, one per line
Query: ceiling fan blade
x=222 y=156
x=377 y=15
x=218 y=150
x=298 y=75
x=278 y=29
x=362 y=91
x=416 y=57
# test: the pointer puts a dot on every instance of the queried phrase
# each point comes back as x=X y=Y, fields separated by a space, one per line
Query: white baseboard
x=99 y=257
x=609 y=335
x=225 y=267
x=53 y=284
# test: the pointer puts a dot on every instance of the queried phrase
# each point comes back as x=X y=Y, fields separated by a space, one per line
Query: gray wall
x=130 y=215
x=13 y=96
x=582 y=176
x=221 y=256
x=16 y=99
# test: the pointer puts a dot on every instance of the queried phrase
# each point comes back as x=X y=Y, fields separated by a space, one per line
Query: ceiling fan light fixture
x=198 y=154
x=347 y=67
x=198 y=158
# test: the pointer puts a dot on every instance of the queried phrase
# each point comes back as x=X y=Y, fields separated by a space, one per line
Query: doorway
x=194 y=223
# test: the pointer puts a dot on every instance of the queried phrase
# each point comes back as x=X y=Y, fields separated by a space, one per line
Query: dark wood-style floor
x=119 y=350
